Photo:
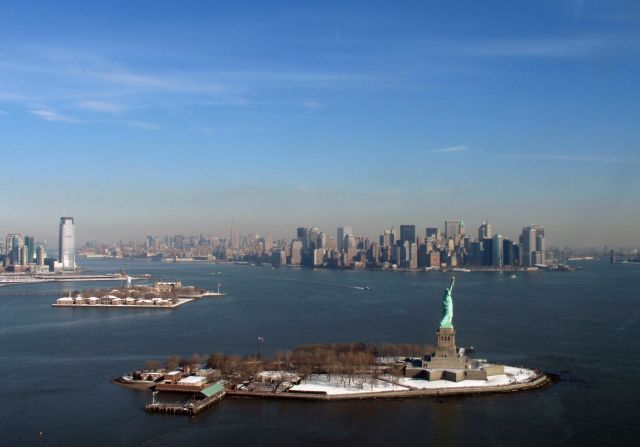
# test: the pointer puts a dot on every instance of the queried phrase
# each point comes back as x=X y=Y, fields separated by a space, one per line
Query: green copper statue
x=447 y=306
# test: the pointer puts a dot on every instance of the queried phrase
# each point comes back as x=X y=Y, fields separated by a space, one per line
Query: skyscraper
x=302 y=235
x=67 y=243
x=341 y=234
x=497 y=249
x=296 y=252
x=234 y=237
x=431 y=233
x=408 y=233
x=13 y=247
x=532 y=245
x=484 y=232
x=453 y=229
x=40 y=255
x=313 y=235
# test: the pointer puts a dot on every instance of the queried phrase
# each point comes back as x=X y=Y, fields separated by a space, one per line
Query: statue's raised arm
x=447 y=306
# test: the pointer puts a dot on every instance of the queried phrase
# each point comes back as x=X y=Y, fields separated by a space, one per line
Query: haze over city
x=160 y=118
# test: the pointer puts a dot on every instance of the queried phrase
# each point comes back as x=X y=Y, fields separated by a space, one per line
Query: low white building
x=193 y=381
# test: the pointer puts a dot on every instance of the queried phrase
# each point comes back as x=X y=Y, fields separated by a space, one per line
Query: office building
x=497 y=250
x=407 y=233
x=341 y=234
x=431 y=233
x=484 y=232
x=67 y=243
x=296 y=252
x=532 y=241
x=453 y=229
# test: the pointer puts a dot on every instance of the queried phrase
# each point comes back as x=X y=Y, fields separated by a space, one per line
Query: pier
x=203 y=400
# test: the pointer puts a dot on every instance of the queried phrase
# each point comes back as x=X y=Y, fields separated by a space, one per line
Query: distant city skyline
x=172 y=119
x=236 y=229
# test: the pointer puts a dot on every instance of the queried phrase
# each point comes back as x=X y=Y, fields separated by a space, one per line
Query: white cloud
x=48 y=115
x=450 y=149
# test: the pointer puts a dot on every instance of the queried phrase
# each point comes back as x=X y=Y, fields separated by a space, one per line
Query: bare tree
x=152 y=365
x=172 y=362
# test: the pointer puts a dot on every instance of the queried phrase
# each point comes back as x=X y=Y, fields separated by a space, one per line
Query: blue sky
x=160 y=117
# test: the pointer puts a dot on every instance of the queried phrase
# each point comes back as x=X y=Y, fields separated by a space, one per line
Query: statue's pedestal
x=446 y=354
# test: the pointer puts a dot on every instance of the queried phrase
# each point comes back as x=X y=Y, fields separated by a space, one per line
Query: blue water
x=58 y=363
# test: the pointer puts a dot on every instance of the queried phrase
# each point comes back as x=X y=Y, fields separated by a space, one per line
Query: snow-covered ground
x=512 y=375
x=340 y=385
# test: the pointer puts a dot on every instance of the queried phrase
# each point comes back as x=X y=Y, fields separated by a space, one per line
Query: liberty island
x=331 y=372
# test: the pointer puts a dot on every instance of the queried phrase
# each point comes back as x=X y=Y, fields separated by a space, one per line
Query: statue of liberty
x=447 y=306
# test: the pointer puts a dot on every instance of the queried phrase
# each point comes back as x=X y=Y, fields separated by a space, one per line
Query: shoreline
x=538 y=383
x=543 y=381
x=135 y=306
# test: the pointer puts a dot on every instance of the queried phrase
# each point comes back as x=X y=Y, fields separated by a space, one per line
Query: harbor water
x=582 y=325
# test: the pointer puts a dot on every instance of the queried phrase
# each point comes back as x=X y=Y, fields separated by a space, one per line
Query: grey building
x=341 y=234
x=67 y=243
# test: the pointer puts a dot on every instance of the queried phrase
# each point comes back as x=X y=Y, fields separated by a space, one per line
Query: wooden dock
x=192 y=407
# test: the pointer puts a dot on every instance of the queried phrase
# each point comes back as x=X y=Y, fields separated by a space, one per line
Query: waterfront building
x=497 y=250
x=408 y=233
x=30 y=243
x=319 y=257
x=540 y=248
x=278 y=258
x=296 y=252
x=508 y=252
x=487 y=252
x=24 y=256
x=13 y=247
x=40 y=255
x=434 y=259
x=532 y=241
x=341 y=234
x=67 y=243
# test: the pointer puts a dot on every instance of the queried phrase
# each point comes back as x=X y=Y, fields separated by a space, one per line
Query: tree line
x=347 y=360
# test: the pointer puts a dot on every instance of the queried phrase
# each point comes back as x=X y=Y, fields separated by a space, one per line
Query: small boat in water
x=513 y=276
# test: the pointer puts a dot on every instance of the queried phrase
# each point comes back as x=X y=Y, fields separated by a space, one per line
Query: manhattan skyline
x=170 y=118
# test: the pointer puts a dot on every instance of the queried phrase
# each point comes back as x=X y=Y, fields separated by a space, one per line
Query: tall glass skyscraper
x=67 y=243
x=341 y=234
x=408 y=233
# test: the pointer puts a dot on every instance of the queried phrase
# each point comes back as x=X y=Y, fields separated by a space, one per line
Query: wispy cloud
x=571 y=158
x=48 y=115
x=2 y=112
x=559 y=47
x=145 y=125
x=450 y=149
x=313 y=105
x=100 y=106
